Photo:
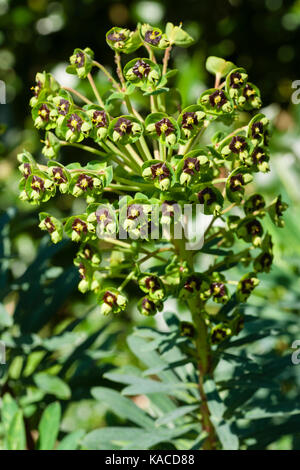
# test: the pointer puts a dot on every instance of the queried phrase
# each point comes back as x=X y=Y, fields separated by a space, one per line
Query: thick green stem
x=202 y=348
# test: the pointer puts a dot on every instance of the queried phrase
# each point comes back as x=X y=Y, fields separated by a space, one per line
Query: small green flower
x=152 y=286
x=154 y=37
x=162 y=127
x=216 y=102
x=148 y=307
x=125 y=129
x=220 y=333
x=246 y=285
x=112 y=301
x=250 y=230
x=52 y=225
x=187 y=329
x=276 y=210
x=51 y=145
x=219 y=292
x=81 y=62
x=123 y=40
x=143 y=73
x=255 y=204
x=160 y=173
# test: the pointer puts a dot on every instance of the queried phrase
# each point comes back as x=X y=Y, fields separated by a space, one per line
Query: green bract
x=81 y=62
x=123 y=40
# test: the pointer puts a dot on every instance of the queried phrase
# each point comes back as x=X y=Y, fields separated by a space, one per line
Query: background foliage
x=66 y=364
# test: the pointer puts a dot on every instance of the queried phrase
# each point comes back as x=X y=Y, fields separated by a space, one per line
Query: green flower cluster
x=148 y=163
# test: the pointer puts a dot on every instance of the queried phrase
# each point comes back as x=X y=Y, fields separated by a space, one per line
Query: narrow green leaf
x=49 y=427
x=52 y=385
x=16 y=436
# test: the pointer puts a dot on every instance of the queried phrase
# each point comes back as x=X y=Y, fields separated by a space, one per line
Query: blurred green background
x=35 y=35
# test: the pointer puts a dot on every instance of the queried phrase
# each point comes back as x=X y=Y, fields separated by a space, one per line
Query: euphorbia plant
x=146 y=166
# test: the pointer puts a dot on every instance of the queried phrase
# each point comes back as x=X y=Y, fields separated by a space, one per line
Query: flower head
x=207 y=196
x=236 y=80
x=164 y=126
x=85 y=182
x=44 y=112
x=191 y=165
x=189 y=120
x=257 y=130
x=134 y=211
x=37 y=184
x=99 y=119
x=217 y=99
x=116 y=36
x=153 y=37
x=79 y=226
x=63 y=107
x=74 y=123
x=123 y=126
x=219 y=292
x=236 y=182
x=58 y=175
x=237 y=144
x=141 y=69
x=160 y=171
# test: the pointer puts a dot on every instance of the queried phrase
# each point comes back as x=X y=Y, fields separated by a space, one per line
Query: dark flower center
x=63 y=107
x=109 y=298
x=26 y=170
x=134 y=211
x=82 y=271
x=236 y=80
x=160 y=171
x=49 y=225
x=152 y=283
x=189 y=120
x=85 y=182
x=248 y=92
x=164 y=126
x=237 y=182
x=75 y=123
x=191 y=165
x=37 y=88
x=99 y=119
x=258 y=155
x=254 y=228
x=116 y=37
x=218 y=289
x=192 y=284
x=217 y=99
x=123 y=126
x=44 y=112
x=37 y=184
x=247 y=285
x=237 y=144
x=153 y=37
x=148 y=305
x=207 y=196
x=141 y=69
x=257 y=129
x=103 y=217
x=169 y=208
x=79 y=226
x=58 y=175
x=79 y=59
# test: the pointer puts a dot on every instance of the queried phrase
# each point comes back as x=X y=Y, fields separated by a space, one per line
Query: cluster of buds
x=155 y=156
